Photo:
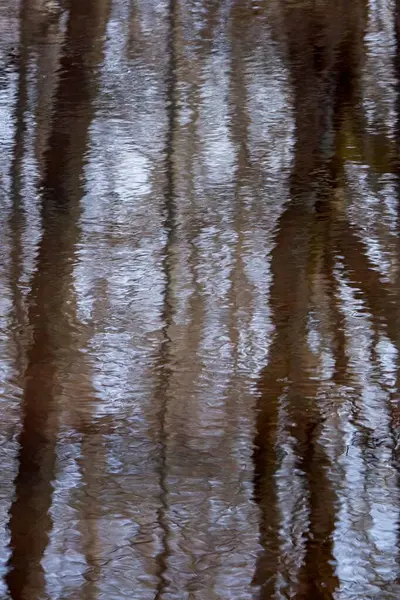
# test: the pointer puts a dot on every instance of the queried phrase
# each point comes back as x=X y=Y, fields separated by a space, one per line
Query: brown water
x=199 y=299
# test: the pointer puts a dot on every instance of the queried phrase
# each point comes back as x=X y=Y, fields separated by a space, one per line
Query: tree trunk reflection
x=48 y=315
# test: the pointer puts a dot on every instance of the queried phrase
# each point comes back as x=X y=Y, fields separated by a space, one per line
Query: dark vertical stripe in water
x=16 y=220
x=318 y=51
x=395 y=400
x=30 y=519
x=167 y=311
x=317 y=577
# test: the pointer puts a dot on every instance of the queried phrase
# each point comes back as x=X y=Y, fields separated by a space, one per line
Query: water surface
x=199 y=299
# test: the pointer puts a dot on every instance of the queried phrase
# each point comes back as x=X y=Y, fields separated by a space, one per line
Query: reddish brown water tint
x=199 y=307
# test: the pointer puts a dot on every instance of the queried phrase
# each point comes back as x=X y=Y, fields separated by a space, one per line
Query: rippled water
x=199 y=299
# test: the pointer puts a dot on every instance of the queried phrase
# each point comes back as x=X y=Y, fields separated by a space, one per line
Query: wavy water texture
x=199 y=307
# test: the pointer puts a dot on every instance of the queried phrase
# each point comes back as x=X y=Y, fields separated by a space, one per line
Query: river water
x=199 y=299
